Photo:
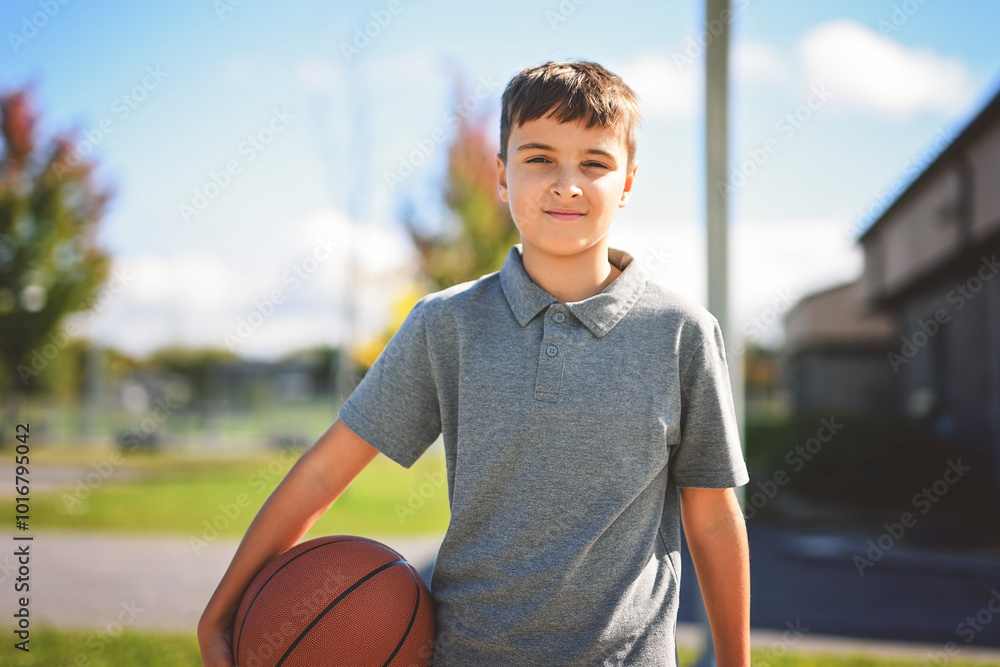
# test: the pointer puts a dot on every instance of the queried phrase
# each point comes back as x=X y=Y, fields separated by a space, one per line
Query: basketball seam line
x=330 y=606
x=413 y=617
x=236 y=657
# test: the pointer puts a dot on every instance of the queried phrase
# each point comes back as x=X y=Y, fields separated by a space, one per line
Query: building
x=918 y=334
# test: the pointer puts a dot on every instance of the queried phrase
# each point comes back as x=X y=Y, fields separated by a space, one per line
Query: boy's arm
x=308 y=490
x=717 y=539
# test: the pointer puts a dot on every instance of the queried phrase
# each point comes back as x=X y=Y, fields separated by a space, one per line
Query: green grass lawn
x=55 y=648
x=50 y=647
x=218 y=498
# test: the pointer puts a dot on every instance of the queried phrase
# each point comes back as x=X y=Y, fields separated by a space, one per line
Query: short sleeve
x=395 y=407
x=709 y=454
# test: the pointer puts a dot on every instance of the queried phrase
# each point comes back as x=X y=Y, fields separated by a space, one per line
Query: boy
x=583 y=409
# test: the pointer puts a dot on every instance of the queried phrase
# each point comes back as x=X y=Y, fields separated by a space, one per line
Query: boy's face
x=564 y=183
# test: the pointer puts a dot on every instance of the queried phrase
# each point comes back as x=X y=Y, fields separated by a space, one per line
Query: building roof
x=836 y=315
x=981 y=121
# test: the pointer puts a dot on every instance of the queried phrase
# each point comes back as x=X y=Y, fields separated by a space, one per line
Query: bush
x=873 y=463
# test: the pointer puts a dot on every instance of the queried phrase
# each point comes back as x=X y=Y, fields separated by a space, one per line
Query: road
x=906 y=595
x=101 y=581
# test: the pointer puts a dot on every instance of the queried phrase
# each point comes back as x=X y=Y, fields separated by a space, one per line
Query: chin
x=564 y=247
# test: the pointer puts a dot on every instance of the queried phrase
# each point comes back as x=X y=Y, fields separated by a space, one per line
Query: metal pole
x=718 y=16
x=717 y=209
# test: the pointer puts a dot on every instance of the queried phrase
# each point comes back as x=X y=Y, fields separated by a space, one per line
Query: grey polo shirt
x=567 y=428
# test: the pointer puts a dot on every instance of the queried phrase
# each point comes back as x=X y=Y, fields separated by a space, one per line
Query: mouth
x=564 y=214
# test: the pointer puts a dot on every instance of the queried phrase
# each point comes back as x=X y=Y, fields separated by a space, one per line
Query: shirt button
x=559 y=317
x=551 y=350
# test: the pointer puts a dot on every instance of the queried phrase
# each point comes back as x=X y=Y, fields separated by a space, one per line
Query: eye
x=535 y=159
x=595 y=164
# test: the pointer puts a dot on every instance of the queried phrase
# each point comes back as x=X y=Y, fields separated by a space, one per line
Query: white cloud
x=196 y=299
x=769 y=259
x=755 y=61
x=663 y=88
x=316 y=74
x=199 y=282
x=863 y=69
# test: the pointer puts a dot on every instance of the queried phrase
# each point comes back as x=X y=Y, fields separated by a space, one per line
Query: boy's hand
x=215 y=637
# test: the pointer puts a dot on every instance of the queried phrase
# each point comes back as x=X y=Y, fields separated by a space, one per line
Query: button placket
x=551 y=358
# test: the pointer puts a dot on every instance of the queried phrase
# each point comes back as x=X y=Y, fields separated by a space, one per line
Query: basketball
x=335 y=600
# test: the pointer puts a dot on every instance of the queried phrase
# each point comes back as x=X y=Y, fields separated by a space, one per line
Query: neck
x=570 y=277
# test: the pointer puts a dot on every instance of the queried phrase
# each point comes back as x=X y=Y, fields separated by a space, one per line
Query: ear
x=627 y=190
x=502 y=179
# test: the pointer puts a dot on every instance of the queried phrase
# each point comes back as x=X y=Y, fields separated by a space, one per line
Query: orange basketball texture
x=335 y=600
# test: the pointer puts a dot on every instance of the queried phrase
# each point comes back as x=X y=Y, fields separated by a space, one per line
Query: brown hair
x=571 y=91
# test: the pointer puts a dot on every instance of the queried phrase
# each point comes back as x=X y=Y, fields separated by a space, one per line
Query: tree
x=200 y=367
x=204 y=370
x=484 y=230
x=477 y=241
x=50 y=265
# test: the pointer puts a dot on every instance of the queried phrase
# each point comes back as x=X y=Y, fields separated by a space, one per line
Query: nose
x=564 y=185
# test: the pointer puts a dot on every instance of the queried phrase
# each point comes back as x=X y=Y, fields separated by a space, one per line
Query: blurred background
x=214 y=215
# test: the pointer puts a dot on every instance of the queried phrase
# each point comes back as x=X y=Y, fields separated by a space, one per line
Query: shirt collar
x=599 y=313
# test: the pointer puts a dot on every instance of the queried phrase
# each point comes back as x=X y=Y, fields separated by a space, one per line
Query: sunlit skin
x=564 y=183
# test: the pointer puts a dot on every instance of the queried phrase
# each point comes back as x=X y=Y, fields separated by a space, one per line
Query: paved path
x=92 y=580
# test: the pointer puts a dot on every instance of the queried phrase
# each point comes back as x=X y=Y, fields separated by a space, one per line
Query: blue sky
x=886 y=80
